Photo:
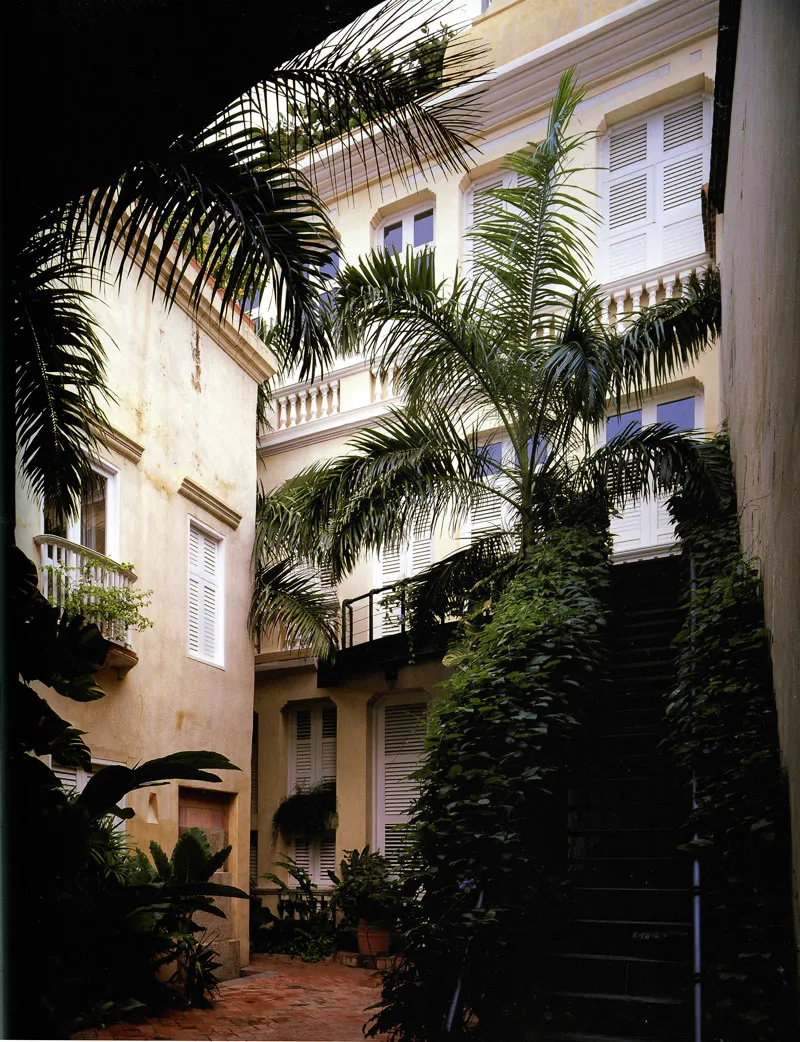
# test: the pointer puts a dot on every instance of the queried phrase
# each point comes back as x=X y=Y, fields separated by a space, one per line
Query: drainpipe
x=696 y=957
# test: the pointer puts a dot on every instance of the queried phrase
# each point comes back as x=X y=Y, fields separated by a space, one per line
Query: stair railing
x=457 y=1003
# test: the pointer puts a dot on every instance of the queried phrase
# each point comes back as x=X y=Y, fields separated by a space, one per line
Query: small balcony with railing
x=80 y=581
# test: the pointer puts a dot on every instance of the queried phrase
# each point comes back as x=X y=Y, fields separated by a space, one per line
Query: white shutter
x=392 y=570
x=303 y=751
x=68 y=776
x=656 y=169
x=486 y=515
x=421 y=548
x=302 y=853
x=480 y=207
x=205 y=596
x=326 y=860
x=628 y=530
x=328 y=745
x=401 y=748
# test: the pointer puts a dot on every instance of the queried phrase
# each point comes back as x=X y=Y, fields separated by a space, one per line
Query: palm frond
x=669 y=335
x=646 y=461
x=284 y=596
x=450 y=586
x=379 y=90
x=208 y=209
x=60 y=371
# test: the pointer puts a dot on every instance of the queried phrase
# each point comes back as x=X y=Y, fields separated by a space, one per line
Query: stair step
x=639 y=903
x=670 y=941
x=632 y=976
x=666 y=872
x=645 y=1016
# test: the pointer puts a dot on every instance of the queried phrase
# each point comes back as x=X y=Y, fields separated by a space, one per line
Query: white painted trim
x=201 y=498
x=219 y=538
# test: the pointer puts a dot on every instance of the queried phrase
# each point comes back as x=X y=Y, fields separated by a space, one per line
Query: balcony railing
x=368 y=616
x=621 y=299
x=65 y=567
x=307 y=404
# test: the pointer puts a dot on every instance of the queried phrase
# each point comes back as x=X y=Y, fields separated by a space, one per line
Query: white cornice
x=221 y=511
x=634 y=34
x=118 y=442
x=327 y=428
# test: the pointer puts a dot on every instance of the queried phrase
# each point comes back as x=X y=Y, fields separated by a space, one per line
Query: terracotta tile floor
x=287 y=1001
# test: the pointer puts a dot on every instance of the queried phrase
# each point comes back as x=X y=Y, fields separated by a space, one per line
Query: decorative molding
x=214 y=506
x=118 y=442
x=635 y=34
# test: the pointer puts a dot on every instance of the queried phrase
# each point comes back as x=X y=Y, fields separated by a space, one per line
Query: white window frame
x=406 y=219
x=652 y=517
x=316 y=869
x=218 y=661
x=499 y=179
x=111 y=474
x=378 y=756
x=494 y=480
x=653 y=224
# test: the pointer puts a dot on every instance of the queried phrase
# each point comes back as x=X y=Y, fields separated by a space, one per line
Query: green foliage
x=490 y=844
x=95 y=920
x=308 y=124
x=116 y=608
x=309 y=811
x=724 y=735
x=363 y=890
x=303 y=924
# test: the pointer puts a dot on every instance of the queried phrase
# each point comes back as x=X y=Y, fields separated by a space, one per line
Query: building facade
x=172 y=513
x=648 y=71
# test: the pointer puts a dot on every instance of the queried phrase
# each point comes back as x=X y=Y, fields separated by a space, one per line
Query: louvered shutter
x=205 y=586
x=682 y=181
x=421 y=548
x=254 y=855
x=68 y=776
x=326 y=859
x=656 y=168
x=480 y=206
x=303 y=751
x=327 y=770
x=486 y=515
x=302 y=853
x=403 y=746
x=392 y=570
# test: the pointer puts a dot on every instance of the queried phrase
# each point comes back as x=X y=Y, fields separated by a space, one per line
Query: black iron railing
x=377 y=613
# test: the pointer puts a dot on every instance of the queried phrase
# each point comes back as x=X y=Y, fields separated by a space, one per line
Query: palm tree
x=232 y=206
x=518 y=349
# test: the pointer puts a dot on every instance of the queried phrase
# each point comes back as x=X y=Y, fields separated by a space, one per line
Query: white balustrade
x=384 y=382
x=66 y=567
x=306 y=404
x=621 y=300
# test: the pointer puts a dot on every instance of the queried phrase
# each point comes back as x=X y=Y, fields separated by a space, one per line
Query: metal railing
x=65 y=566
x=369 y=616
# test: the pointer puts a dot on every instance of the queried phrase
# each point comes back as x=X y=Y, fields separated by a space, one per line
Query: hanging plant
x=309 y=811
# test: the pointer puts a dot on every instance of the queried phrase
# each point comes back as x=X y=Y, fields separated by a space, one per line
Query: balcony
x=80 y=581
x=375 y=636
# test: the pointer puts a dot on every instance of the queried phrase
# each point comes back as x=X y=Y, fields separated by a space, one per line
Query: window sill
x=206 y=661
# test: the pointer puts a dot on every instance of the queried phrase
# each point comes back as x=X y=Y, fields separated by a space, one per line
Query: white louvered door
x=314 y=761
x=479 y=209
x=656 y=166
x=401 y=729
x=205 y=596
x=401 y=561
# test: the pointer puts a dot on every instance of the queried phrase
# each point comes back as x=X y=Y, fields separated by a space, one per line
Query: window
x=323 y=585
x=646 y=523
x=414 y=229
x=654 y=170
x=206 y=594
x=97 y=525
x=75 y=779
x=401 y=561
x=313 y=760
x=401 y=724
x=491 y=513
x=329 y=272
x=479 y=206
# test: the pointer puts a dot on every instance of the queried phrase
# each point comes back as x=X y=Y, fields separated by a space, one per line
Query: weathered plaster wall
x=191 y=407
x=760 y=362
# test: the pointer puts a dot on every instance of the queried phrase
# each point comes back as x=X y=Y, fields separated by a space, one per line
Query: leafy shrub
x=303 y=924
x=115 y=608
x=724 y=736
x=490 y=822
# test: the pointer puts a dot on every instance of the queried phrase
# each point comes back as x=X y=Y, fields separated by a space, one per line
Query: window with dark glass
x=423 y=228
x=615 y=424
x=93 y=516
x=393 y=237
x=679 y=413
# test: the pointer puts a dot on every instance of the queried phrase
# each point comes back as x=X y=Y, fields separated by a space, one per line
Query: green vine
x=724 y=733
x=114 y=608
x=309 y=811
x=489 y=826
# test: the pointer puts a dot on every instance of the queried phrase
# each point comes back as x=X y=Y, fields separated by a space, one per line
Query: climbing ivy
x=723 y=732
x=489 y=853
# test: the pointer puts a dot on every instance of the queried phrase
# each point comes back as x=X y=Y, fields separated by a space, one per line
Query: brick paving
x=285 y=1001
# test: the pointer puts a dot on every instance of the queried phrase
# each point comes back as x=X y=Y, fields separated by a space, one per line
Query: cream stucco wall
x=759 y=257
x=675 y=66
x=191 y=407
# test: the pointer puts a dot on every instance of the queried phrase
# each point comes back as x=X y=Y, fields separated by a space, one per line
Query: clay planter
x=372 y=940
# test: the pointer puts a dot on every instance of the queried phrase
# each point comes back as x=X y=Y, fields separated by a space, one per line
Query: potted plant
x=309 y=811
x=367 y=898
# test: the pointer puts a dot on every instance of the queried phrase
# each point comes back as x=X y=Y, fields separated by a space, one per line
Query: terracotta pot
x=372 y=940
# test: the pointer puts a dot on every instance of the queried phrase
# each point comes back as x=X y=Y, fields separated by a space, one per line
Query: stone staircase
x=623 y=971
